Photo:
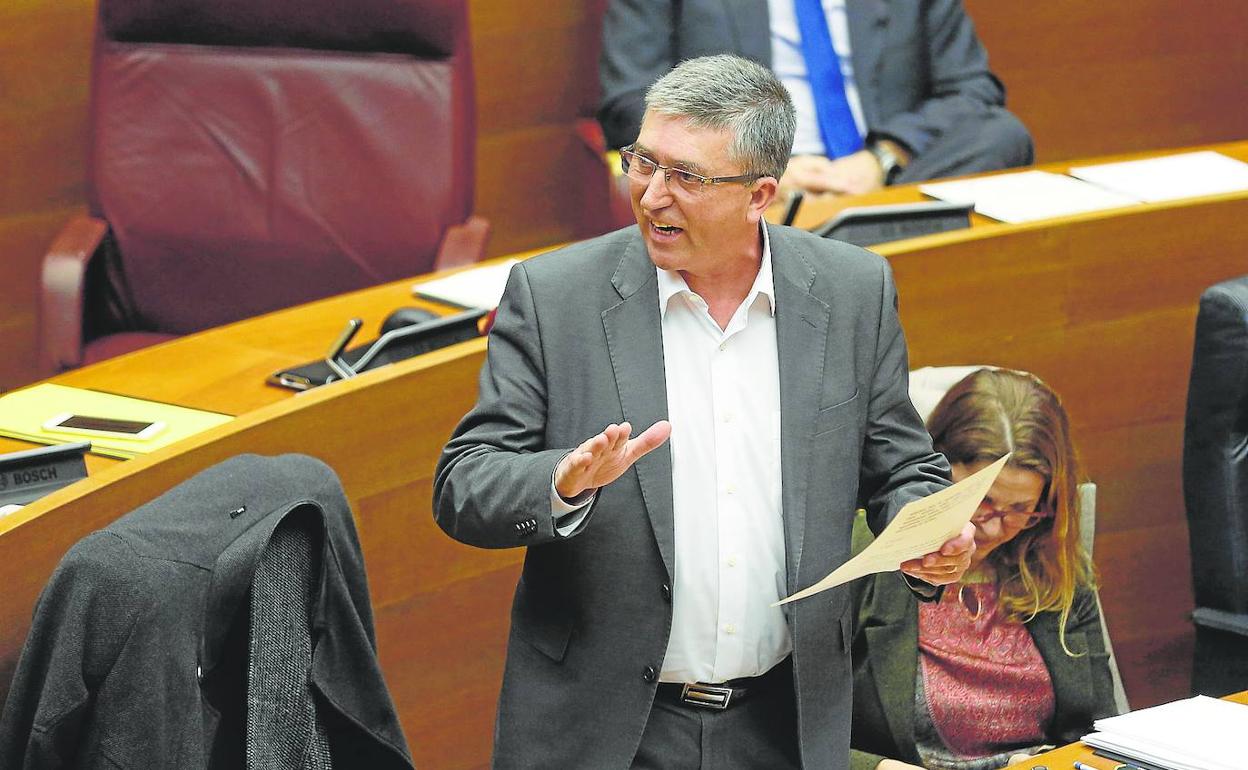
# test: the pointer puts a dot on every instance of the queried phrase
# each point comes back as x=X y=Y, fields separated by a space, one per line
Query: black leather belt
x=724 y=694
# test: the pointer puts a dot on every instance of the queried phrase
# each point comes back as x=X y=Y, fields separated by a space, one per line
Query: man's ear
x=763 y=192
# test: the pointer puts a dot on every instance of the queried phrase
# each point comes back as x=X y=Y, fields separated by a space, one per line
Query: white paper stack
x=1199 y=733
x=477 y=287
x=1027 y=196
x=1172 y=177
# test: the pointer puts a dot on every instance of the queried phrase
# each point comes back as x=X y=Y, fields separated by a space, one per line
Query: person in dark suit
x=916 y=80
x=1012 y=661
x=768 y=370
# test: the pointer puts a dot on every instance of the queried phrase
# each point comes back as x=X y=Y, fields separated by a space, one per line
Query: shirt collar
x=671 y=282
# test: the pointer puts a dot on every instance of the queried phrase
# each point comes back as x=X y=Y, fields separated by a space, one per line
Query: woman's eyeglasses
x=639 y=168
x=1011 y=518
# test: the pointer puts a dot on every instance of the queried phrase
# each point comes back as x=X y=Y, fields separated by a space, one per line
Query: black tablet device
x=869 y=225
x=395 y=345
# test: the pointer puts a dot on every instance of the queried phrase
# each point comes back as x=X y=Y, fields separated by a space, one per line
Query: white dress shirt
x=789 y=64
x=723 y=398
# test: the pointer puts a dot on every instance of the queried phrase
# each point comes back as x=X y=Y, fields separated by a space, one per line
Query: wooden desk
x=1102 y=306
x=1064 y=758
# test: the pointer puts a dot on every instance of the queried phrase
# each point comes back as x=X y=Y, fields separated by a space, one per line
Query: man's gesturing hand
x=947 y=565
x=604 y=458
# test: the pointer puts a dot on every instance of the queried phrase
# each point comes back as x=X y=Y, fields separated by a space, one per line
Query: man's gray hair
x=730 y=92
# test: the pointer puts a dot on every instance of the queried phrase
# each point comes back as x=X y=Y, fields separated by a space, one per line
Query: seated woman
x=1012 y=659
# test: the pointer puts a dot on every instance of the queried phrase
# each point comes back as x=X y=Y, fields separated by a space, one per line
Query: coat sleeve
x=959 y=81
x=637 y=49
x=492 y=487
x=898 y=461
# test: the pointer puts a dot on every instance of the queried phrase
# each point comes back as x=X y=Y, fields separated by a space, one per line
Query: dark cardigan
x=137 y=654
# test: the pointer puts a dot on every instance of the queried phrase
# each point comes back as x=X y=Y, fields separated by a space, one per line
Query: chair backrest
x=927 y=386
x=1215 y=460
x=254 y=155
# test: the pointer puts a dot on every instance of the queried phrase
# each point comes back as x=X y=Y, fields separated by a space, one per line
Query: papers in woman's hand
x=920 y=527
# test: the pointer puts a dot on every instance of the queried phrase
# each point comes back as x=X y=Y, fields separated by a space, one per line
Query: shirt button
x=730 y=629
x=731 y=489
x=732 y=561
x=666 y=590
x=727 y=417
x=649 y=674
x=723 y=346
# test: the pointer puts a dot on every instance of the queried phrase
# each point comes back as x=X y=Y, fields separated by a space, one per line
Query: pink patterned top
x=987 y=689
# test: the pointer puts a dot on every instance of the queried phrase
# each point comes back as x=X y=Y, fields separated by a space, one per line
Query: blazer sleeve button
x=649 y=674
x=666 y=590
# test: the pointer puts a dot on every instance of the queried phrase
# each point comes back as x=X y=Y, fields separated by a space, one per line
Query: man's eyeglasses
x=639 y=168
x=1011 y=518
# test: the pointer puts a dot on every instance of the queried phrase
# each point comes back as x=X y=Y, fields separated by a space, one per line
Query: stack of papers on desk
x=1199 y=733
x=23 y=413
x=1172 y=177
x=1027 y=196
x=477 y=287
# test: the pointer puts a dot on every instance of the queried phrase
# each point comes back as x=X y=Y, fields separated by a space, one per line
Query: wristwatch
x=888 y=160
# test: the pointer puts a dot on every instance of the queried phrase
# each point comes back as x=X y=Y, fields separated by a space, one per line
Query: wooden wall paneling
x=1100 y=78
x=44 y=50
x=537 y=73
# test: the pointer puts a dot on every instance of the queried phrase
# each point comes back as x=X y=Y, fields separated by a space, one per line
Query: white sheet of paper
x=477 y=287
x=1198 y=733
x=920 y=527
x=1026 y=196
x=1168 y=178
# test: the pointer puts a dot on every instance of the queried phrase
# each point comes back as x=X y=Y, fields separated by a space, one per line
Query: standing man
x=886 y=91
x=765 y=373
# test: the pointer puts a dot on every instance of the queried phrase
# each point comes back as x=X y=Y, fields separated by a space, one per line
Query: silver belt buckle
x=706 y=695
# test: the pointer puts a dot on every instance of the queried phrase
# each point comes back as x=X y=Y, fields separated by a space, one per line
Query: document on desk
x=1199 y=733
x=1027 y=196
x=23 y=414
x=1171 y=177
x=476 y=287
x=920 y=527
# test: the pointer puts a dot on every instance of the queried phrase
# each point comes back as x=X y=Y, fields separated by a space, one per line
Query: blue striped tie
x=823 y=67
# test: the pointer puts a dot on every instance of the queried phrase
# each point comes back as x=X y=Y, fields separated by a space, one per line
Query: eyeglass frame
x=703 y=181
x=1034 y=517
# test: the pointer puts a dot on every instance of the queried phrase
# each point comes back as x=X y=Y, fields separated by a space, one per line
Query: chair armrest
x=619 y=208
x=463 y=244
x=61 y=286
x=1221 y=620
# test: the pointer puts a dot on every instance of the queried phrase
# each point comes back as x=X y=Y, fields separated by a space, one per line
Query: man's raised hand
x=602 y=459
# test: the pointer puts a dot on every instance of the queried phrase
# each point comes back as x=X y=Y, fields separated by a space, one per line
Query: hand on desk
x=946 y=565
x=851 y=175
x=602 y=459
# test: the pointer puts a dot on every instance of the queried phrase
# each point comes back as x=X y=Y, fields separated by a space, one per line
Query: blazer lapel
x=801 y=338
x=866 y=18
x=750 y=22
x=635 y=341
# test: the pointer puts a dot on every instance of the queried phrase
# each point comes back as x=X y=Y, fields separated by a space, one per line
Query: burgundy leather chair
x=247 y=156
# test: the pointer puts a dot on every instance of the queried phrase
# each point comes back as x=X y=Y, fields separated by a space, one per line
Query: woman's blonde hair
x=994 y=411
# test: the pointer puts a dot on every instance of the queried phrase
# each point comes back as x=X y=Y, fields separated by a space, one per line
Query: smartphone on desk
x=103 y=427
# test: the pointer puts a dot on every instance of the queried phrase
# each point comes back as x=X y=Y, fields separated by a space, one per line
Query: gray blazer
x=577 y=345
x=919 y=66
